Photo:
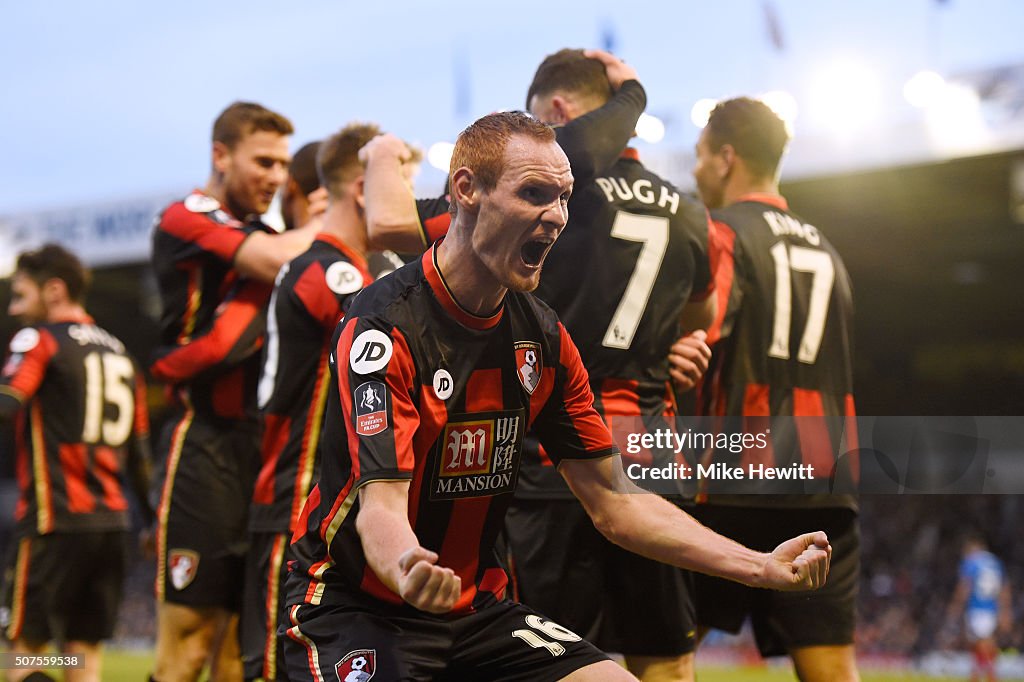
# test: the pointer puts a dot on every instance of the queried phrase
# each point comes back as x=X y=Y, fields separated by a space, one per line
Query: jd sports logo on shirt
x=343 y=278
x=444 y=385
x=200 y=203
x=371 y=351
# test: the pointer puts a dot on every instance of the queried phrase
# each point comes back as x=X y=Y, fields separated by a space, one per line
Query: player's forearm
x=385 y=535
x=236 y=335
x=648 y=525
x=261 y=255
x=391 y=218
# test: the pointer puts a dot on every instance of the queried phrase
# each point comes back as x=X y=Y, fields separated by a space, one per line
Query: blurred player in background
x=981 y=604
x=782 y=347
x=654 y=279
x=309 y=299
x=302 y=197
x=215 y=263
x=82 y=432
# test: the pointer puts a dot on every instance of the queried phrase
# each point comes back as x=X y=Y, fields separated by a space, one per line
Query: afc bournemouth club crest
x=357 y=666
x=182 y=564
x=528 y=364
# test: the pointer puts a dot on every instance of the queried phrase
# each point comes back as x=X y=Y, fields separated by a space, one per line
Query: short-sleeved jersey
x=984 y=575
x=194 y=246
x=422 y=391
x=782 y=344
x=82 y=403
x=309 y=298
x=652 y=244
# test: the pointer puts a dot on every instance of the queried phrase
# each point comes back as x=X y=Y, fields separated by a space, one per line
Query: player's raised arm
x=593 y=141
x=391 y=217
x=650 y=526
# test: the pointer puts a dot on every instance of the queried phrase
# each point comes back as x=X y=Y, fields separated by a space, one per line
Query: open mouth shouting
x=534 y=251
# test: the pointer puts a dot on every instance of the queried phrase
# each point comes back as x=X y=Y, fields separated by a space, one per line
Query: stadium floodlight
x=650 y=128
x=440 y=155
x=954 y=120
x=924 y=89
x=784 y=105
x=846 y=97
x=701 y=111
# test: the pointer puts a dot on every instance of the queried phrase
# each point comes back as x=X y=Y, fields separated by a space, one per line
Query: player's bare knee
x=825 y=664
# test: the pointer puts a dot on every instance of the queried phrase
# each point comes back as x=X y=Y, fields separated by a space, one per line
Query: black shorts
x=65 y=587
x=262 y=607
x=784 y=621
x=506 y=642
x=620 y=601
x=206 y=489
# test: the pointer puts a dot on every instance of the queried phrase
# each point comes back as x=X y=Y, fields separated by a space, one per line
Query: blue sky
x=112 y=100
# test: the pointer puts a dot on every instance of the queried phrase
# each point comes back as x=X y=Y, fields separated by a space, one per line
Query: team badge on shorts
x=182 y=564
x=357 y=666
x=528 y=364
x=371 y=409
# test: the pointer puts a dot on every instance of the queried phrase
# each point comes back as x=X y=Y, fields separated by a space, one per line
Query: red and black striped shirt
x=212 y=324
x=82 y=412
x=309 y=298
x=424 y=391
x=782 y=342
x=648 y=249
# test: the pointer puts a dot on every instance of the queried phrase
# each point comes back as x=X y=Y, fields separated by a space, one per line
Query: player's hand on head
x=618 y=71
x=426 y=585
x=385 y=145
x=688 y=360
x=800 y=563
x=317 y=202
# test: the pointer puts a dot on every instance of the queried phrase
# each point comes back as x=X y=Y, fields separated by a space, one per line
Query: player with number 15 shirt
x=81 y=427
x=80 y=401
